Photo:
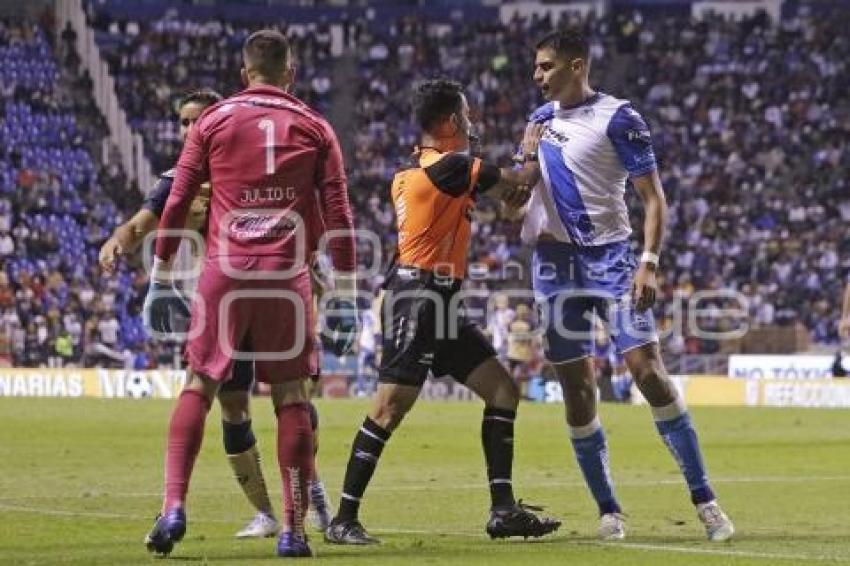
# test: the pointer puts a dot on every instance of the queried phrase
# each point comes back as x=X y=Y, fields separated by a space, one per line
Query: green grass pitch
x=80 y=483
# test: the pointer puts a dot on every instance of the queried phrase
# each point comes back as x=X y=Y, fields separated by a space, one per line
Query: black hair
x=205 y=97
x=435 y=100
x=267 y=52
x=566 y=43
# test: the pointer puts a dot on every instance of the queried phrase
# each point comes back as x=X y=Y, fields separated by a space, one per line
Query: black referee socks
x=367 y=448
x=497 y=438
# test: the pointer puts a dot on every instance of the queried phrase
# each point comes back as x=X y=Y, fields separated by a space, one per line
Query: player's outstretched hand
x=644 y=288
x=166 y=309
x=514 y=198
x=341 y=321
x=109 y=254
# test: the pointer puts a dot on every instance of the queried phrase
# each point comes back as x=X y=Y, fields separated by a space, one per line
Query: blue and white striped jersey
x=586 y=155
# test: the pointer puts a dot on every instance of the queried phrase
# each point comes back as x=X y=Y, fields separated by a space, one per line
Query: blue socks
x=674 y=425
x=591 y=451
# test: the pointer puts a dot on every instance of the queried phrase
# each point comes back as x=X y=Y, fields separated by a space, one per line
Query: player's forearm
x=173 y=218
x=651 y=193
x=192 y=169
x=341 y=241
x=509 y=179
x=132 y=233
x=654 y=223
x=527 y=175
x=339 y=221
x=186 y=186
x=513 y=213
x=342 y=252
x=333 y=198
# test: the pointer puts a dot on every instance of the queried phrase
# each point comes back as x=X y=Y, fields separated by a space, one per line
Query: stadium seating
x=55 y=211
x=182 y=56
x=739 y=140
x=748 y=117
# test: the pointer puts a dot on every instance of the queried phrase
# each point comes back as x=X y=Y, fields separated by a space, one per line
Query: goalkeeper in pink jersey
x=240 y=444
x=278 y=186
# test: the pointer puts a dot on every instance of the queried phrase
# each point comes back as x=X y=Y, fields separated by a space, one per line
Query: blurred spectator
x=520 y=347
x=498 y=324
x=838 y=369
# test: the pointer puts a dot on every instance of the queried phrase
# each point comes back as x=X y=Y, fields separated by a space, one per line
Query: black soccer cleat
x=348 y=532
x=167 y=530
x=519 y=521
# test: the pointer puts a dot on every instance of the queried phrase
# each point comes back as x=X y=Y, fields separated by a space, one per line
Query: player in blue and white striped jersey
x=583 y=264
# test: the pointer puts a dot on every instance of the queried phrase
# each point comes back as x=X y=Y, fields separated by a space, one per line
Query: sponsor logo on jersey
x=640 y=321
x=641 y=136
x=555 y=137
x=250 y=226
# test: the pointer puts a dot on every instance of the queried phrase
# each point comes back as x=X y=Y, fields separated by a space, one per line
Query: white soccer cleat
x=319 y=514
x=320 y=520
x=261 y=526
x=612 y=526
x=718 y=526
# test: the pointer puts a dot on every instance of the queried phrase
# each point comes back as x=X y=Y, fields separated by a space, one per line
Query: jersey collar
x=589 y=101
x=267 y=90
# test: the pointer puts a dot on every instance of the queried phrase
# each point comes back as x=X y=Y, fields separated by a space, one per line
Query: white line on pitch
x=712 y=551
x=468 y=534
x=636 y=546
x=464 y=486
x=92 y=514
x=628 y=483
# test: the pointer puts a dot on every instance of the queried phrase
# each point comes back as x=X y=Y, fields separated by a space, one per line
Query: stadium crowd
x=748 y=123
x=58 y=205
x=748 y=119
x=154 y=63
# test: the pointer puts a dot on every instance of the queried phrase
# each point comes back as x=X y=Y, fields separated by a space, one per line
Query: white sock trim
x=375 y=436
x=570 y=360
x=701 y=506
x=500 y=481
x=586 y=430
x=669 y=412
x=498 y=418
x=349 y=497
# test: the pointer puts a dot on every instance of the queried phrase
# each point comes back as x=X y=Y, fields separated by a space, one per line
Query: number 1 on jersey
x=268 y=126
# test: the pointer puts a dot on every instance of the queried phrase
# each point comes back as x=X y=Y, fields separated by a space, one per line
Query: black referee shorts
x=242 y=378
x=424 y=330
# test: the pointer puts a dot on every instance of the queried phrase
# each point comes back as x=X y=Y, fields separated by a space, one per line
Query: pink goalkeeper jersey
x=278 y=181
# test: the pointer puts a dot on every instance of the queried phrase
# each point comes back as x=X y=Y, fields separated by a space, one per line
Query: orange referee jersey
x=433 y=198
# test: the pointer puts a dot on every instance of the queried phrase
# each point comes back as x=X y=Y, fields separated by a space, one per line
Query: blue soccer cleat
x=289 y=545
x=167 y=530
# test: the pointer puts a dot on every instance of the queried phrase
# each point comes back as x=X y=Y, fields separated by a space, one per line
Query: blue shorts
x=578 y=281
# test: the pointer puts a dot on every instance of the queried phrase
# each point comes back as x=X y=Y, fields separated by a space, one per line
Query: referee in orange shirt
x=424 y=330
